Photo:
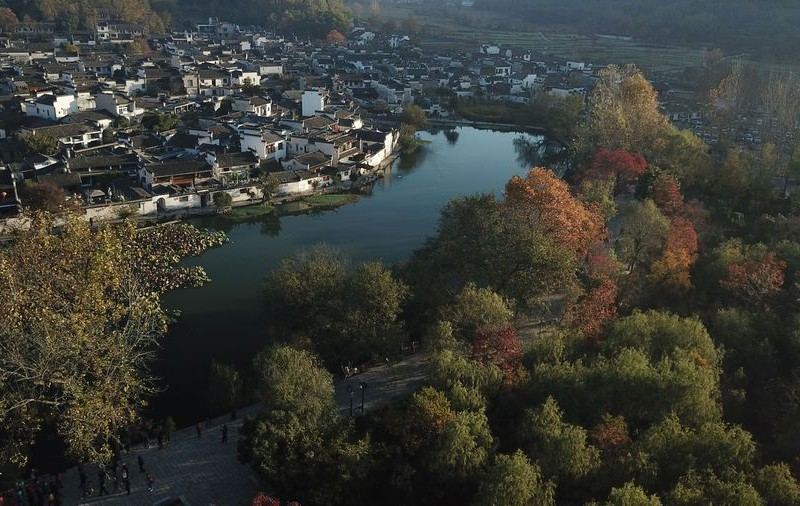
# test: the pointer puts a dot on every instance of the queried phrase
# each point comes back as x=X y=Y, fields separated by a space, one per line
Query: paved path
x=204 y=471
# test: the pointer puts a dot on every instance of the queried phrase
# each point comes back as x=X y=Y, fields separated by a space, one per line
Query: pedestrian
x=224 y=432
x=160 y=442
x=101 y=482
x=125 y=479
x=82 y=477
x=140 y=460
x=199 y=429
x=150 y=482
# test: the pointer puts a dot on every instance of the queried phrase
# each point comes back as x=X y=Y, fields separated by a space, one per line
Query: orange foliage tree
x=590 y=314
x=753 y=281
x=672 y=269
x=547 y=202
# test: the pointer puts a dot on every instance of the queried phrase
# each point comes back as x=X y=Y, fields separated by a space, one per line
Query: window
x=183 y=199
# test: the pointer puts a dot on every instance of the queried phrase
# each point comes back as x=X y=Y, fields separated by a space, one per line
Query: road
x=204 y=471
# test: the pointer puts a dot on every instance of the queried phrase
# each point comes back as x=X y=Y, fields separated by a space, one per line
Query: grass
x=248 y=212
x=331 y=199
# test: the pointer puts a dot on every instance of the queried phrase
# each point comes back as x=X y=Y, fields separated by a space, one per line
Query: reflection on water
x=451 y=136
x=539 y=151
x=224 y=320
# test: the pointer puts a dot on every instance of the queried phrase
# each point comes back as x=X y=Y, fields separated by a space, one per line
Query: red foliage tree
x=335 y=37
x=673 y=269
x=611 y=435
x=667 y=195
x=262 y=499
x=622 y=165
x=547 y=202
x=590 y=314
x=754 y=281
x=498 y=346
x=8 y=20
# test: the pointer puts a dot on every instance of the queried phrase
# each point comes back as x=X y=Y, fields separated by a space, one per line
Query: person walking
x=83 y=479
x=199 y=429
x=225 y=433
x=101 y=482
x=150 y=482
x=160 y=441
x=140 y=460
x=125 y=478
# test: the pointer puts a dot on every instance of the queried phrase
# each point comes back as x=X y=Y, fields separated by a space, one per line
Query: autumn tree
x=623 y=166
x=594 y=310
x=754 y=281
x=672 y=271
x=498 y=346
x=336 y=38
x=547 y=203
x=666 y=193
x=76 y=338
x=623 y=112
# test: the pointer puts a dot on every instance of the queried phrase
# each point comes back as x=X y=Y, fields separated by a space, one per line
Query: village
x=122 y=124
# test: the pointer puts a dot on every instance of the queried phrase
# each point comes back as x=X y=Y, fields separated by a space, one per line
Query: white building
x=262 y=142
x=51 y=107
x=312 y=102
x=117 y=104
x=257 y=106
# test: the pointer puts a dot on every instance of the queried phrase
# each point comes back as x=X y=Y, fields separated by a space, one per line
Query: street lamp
x=350 y=391
x=363 y=387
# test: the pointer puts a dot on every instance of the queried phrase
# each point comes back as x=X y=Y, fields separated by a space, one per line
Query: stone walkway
x=204 y=471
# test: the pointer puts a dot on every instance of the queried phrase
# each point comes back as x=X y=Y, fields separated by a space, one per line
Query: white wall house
x=262 y=142
x=117 y=104
x=51 y=107
x=313 y=101
x=257 y=106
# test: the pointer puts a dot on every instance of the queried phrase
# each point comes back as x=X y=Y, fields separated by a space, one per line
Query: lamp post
x=363 y=387
x=350 y=391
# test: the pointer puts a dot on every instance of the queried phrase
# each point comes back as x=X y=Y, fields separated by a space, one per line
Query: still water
x=224 y=320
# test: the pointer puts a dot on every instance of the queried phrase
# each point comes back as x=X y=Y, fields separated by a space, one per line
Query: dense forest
x=303 y=17
x=763 y=27
x=627 y=336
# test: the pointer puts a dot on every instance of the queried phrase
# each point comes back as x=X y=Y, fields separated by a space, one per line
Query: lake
x=224 y=320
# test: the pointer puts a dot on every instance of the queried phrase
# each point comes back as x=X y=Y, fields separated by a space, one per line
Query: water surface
x=224 y=319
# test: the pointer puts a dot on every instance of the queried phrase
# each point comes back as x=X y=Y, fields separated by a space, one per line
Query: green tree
x=776 y=484
x=414 y=116
x=224 y=388
x=475 y=307
x=300 y=445
x=222 y=201
x=160 y=122
x=514 y=481
x=40 y=144
x=644 y=230
x=76 y=338
x=631 y=495
x=559 y=447
x=293 y=381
